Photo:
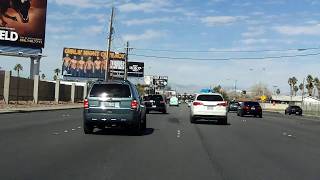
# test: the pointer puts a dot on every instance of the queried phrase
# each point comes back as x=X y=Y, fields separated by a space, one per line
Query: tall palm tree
x=278 y=92
x=301 y=87
x=310 y=85
x=295 y=90
x=43 y=76
x=290 y=82
x=57 y=72
x=18 y=68
x=294 y=82
x=317 y=84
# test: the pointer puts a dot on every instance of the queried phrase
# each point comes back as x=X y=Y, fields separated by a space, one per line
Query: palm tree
x=301 y=87
x=309 y=84
x=43 y=76
x=18 y=68
x=278 y=92
x=295 y=90
x=290 y=82
x=294 y=82
x=317 y=84
x=57 y=72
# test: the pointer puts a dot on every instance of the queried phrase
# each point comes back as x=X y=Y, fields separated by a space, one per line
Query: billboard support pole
x=107 y=72
x=34 y=66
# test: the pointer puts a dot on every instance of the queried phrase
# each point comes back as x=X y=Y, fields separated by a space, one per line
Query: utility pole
x=126 y=62
x=107 y=72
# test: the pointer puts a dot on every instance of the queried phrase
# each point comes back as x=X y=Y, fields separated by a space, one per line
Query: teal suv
x=114 y=104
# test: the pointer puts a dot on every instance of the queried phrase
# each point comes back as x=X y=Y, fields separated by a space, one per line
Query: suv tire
x=87 y=129
x=192 y=120
x=224 y=121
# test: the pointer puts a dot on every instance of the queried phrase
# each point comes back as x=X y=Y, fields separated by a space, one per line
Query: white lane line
x=79 y=127
x=179 y=133
x=55 y=133
x=65 y=131
x=73 y=129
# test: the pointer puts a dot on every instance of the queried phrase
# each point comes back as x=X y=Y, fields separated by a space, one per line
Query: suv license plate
x=109 y=104
x=253 y=108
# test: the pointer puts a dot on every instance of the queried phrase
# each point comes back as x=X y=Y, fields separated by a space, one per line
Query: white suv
x=209 y=106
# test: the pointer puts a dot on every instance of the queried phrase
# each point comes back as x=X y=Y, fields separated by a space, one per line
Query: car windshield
x=110 y=90
x=209 y=98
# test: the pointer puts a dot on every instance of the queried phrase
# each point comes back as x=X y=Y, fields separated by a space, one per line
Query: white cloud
x=147 y=35
x=57 y=29
x=93 y=30
x=218 y=20
x=251 y=41
x=146 y=21
x=145 y=6
x=298 y=30
x=254 y=32
x=82 y=3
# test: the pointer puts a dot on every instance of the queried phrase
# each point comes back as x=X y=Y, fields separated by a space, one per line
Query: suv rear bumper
x=111 y=120
x=209 y=117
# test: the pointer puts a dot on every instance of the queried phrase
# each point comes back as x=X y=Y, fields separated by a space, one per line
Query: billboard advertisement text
x=22 y=23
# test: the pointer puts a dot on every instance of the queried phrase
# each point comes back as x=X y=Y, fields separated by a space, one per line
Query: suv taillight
x=225 y=104
x=86 y=104
x=197 y=103
x=134 y=104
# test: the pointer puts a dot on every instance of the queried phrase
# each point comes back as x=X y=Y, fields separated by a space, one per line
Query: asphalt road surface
x=51 y=145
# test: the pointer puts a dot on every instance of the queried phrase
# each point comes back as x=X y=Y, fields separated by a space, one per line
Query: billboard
x=22 y=23
x=160 y=81
x=135 y=69
x=85 y=63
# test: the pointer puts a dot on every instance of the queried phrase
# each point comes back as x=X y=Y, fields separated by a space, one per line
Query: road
x=51 y=145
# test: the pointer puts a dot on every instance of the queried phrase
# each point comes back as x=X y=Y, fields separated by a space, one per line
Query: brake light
x=223 y=104
x=246 y=107
x=86 y=104
x=197 y=103
x=134 y=104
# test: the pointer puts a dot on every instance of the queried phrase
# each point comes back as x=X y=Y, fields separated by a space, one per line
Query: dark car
x=155 y=102
x=233 y=106
x=293 y=110
x=114 y=104
x=250 y=108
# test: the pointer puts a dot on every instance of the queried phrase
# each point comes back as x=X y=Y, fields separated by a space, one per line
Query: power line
x=227 y=51
x=225 y=59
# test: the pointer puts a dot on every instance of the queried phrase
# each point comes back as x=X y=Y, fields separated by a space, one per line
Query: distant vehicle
x=209 y=106
x=293 y=110
x=250 y=108
x=114 y=104
x=233 y=106
x=155 y=102
x=174 y=101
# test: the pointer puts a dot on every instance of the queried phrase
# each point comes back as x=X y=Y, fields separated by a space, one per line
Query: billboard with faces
x=86 y=63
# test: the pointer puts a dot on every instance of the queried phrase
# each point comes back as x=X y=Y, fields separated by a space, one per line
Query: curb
x=38 y=110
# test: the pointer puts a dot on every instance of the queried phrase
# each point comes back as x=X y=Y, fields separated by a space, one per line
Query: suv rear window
x=209 y=98
x=251 y=104
x=112 y=90
x=153 y=97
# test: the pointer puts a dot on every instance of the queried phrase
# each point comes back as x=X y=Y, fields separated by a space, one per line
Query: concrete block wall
x=1 y=85
x=36 y=90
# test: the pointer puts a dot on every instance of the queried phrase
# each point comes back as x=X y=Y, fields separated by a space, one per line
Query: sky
x=221 y=29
